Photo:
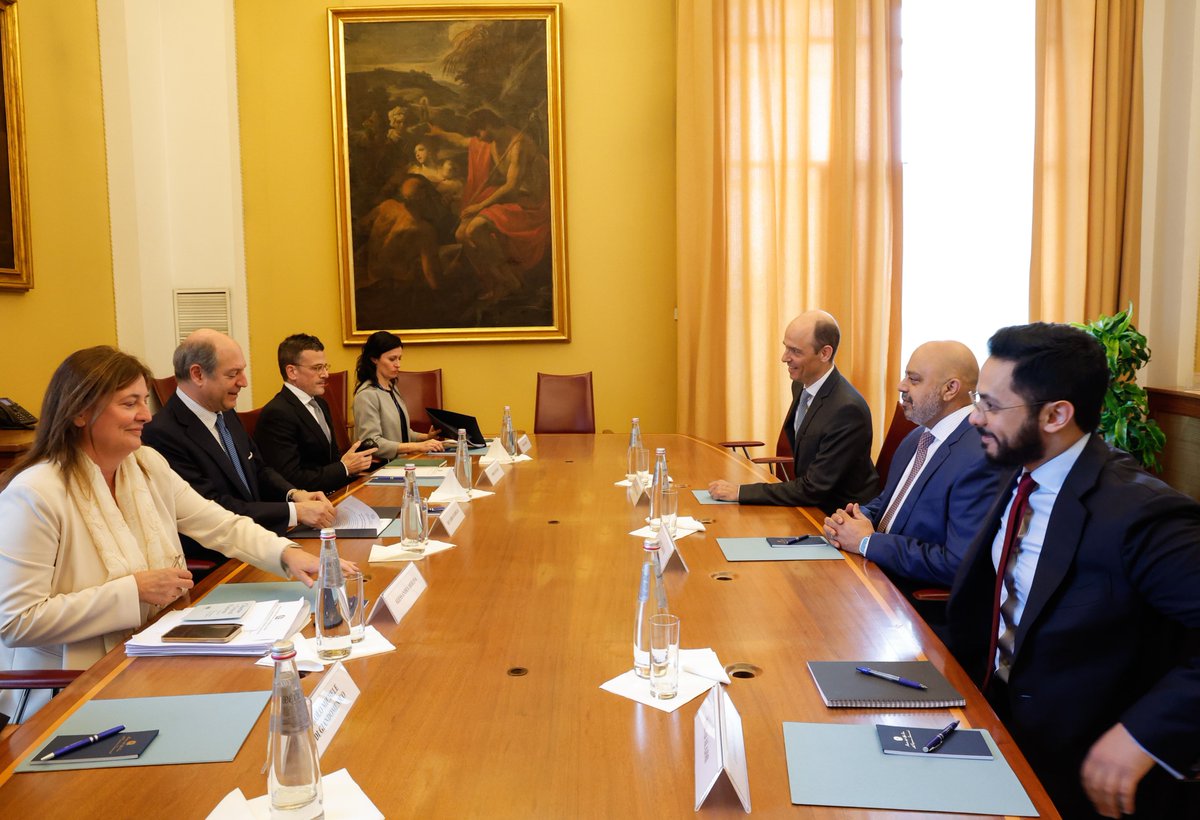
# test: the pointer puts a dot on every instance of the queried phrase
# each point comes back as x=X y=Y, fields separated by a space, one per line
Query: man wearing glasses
x=203 y=440
x=1077 y=606
x=295 y=428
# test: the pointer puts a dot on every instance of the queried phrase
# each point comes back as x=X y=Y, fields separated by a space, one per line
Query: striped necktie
x=231 y=451
x=902 y=495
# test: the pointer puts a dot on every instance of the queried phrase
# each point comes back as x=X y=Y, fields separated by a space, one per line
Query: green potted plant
x=1125 y=420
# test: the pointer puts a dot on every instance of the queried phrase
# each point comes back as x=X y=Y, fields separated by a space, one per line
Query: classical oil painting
x=449 y=172
x=16 y=270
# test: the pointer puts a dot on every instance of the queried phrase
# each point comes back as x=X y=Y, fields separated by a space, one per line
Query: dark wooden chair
x=336 y=396
x=29 y=679
x=564 y=404
x=163 y=389
x=249 y=419
x=420 y=389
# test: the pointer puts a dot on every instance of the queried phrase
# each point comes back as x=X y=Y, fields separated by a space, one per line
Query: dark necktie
x=1018 y=521
x=802 y=411
x=902 y=494
x=231 y=451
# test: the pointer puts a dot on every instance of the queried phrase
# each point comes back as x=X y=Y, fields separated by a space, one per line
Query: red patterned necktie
x=1012 y=536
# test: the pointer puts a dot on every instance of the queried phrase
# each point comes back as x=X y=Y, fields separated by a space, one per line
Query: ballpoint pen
x=79 y=744
x=940 y=737
x=912 y=684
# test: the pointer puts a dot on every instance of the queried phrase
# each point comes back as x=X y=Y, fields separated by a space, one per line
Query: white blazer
x=57 y=608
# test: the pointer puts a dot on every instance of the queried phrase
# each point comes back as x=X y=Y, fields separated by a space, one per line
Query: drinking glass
x=664 y=656
x=670 y=509
x=356 y=604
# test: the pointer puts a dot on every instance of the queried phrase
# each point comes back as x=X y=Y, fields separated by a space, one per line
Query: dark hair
x=80 y=386
x=378 y=343
x=482 y=118
x=1054 y=362
x=826 y=332
x=291 y=348
x=198 y=350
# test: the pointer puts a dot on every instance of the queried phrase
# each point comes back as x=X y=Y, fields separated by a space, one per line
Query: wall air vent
x=201 y=307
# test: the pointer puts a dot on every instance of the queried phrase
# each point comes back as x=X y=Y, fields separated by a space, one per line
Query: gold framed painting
x=449 y=172
x=16 y=269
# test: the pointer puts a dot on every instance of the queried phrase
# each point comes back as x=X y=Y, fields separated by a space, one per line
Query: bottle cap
x=635 y=419
x=410 y=466
x=328 y=532
x=282 y=650
x=462 y=431
x=660 y=451
x=650 y=544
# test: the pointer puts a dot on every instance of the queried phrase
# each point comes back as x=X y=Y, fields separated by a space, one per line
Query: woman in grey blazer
x=379 y=411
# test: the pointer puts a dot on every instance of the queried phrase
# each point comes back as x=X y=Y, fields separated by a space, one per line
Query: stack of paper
x=267 y=622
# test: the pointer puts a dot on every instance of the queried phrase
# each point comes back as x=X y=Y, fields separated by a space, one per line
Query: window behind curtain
x=967 y=126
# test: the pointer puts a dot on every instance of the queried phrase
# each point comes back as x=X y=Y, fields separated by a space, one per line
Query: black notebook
x=841 y=685
x=964 y=744
x=121 y=746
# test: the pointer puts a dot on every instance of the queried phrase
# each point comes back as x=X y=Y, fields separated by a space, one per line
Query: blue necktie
x=230 y=451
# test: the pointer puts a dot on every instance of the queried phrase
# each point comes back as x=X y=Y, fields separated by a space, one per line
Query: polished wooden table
x=13 y=443
x=544 y=579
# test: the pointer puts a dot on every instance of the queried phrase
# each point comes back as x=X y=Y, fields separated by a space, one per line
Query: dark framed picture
x=16 y=269
x=449 y=172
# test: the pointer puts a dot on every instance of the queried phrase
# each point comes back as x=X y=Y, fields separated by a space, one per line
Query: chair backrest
x=336 y=398
x=564 y=404
x=899 y=427
x=420 y=389
x=785 y=470
x=249 y=419
x=163 y=389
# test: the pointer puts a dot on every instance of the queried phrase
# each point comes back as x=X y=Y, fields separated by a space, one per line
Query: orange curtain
x=1087 y=193
x=788 y=199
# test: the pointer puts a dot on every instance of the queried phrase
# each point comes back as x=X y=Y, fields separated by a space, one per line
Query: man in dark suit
x=197 y=431
x=295 y=428
x=828 y=426
x=940 y=483
x=1087 y=638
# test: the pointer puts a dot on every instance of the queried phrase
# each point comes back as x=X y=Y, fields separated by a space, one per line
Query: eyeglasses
x=980 y=404
x=316 y=368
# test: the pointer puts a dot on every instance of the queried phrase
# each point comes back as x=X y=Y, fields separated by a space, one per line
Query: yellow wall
x=618 y=72
x=71 y=304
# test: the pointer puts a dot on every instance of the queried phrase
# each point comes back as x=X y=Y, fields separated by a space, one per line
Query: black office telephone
x=15 y=417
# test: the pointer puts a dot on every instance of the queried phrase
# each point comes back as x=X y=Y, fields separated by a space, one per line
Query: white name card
x=493 y=472
x=667 y=550
x=403 y=592
x=720 y=748
x=331 y=702
x=524 y=444
x=637 y=491
x=450 y=518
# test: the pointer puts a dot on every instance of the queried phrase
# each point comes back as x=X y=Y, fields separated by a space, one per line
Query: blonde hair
x=81 y=385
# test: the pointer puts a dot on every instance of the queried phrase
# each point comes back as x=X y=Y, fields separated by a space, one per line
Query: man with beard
x=1076 y=607
x=940 y=483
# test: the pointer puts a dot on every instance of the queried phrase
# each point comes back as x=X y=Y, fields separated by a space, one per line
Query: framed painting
x=16 y=270
x=449 y=172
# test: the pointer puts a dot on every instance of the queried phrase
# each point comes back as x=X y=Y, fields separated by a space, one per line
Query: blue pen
x=79 y=744
x=912 y=684
x=940 y=737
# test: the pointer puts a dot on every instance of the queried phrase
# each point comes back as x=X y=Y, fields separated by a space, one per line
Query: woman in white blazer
x=379 y=411
x=89 y=547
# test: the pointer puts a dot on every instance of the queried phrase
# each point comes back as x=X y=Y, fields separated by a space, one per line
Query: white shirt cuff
x=862 y=546
x=291 y=514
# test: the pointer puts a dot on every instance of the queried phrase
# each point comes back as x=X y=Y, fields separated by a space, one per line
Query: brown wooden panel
x=544 y=577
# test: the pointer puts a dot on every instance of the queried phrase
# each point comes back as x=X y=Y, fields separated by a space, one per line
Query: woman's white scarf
x=127 y=530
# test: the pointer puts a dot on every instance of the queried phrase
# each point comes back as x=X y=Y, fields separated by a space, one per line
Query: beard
x=920 y=412
x=1025 y=447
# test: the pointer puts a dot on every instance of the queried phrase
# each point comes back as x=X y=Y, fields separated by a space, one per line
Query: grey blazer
x=375 y=417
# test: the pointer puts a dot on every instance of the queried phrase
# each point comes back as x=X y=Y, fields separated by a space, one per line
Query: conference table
x=490 y=705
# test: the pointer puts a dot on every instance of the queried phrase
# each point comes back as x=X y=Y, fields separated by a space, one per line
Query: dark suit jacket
x=293 y=443
x=1111 y=628
x=832 y=452
x=943 y=511
x=194 y=453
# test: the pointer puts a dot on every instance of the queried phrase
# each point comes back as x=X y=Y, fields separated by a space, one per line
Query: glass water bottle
x=462 y=462
x=412 y=513
x=508 y=436
x=659 y=483
x=333 y=608
x=635 y=444
x=294 y=777
x=652 y=600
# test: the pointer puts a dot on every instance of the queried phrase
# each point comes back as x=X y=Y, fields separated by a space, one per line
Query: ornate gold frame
x=20 y=275
x=550 y=14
